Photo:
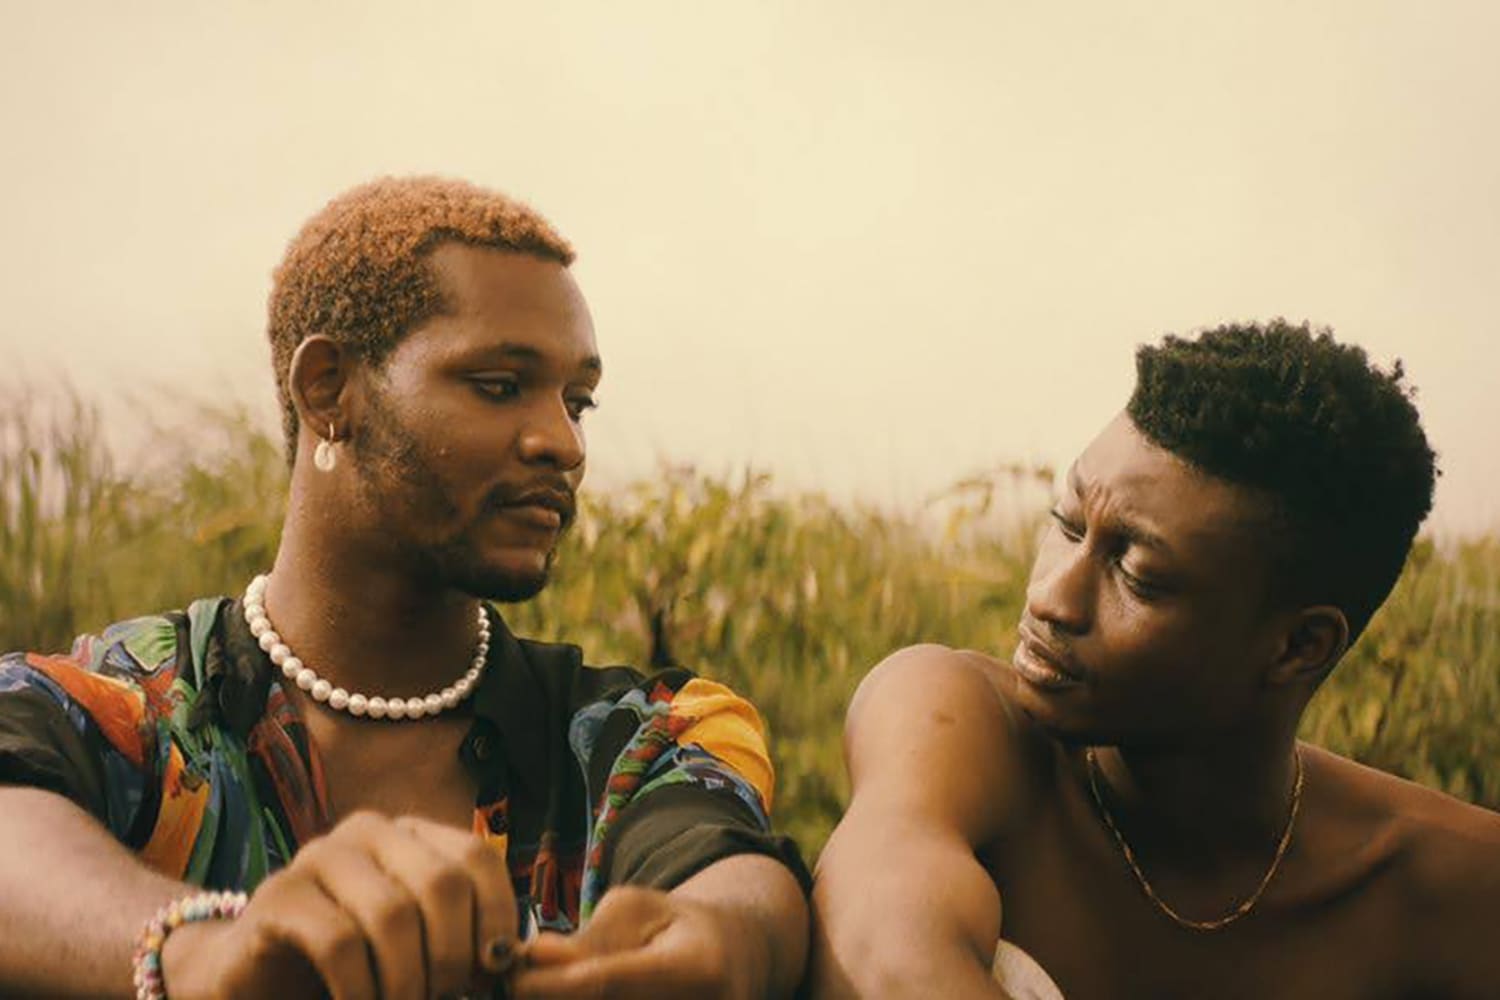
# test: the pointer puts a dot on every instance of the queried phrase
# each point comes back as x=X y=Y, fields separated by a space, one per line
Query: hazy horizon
x=871 y=251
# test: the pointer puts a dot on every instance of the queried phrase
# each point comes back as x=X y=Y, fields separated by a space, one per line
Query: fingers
x=387 y=912
x=636 y=974
x=494 y=921
x=627 y=917
x=628 y=949
x=551 y=948
x=297 y=915
x=433 y=906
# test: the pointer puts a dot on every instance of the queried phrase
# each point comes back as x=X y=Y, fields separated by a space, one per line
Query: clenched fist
x=400 y=909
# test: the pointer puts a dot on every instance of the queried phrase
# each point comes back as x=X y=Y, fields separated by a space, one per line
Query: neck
x=1203 y=805
x=365 y=626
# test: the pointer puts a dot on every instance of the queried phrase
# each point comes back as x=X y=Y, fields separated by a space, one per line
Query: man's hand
x=643 y=943
x=399 y=909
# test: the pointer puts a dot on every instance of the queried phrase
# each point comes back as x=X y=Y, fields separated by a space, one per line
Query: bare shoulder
x=1443 y=840
x=928 y=674
x=1454 y=855
x=931 y=693
x=930 y=726
x=1443 y=865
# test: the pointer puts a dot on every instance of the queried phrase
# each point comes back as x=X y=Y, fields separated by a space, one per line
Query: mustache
x=1045 y=640
x=551 y=492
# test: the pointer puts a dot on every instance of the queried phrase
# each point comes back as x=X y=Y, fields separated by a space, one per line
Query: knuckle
x=480 y=856
x=342 y=962
x=411 y=821
x=626 y=899
x=444 y=885
x=344 y=946
x=394 y=915
x=311 y=854
x=362 y=822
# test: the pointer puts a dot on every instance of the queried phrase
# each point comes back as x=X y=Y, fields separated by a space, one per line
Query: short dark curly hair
x=1333 y=440
x=357 y=271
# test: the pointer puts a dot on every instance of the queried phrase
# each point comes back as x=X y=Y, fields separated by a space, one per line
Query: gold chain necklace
x=1239 y=911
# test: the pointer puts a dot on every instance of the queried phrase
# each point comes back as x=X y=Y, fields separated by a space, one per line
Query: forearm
x=762 y=899
x=897 y=915
x=72 y=900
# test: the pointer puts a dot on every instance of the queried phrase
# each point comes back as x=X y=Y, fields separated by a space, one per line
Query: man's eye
x=579 y=405
x=1070 y=531
x=497 y=388
x=1142 y=588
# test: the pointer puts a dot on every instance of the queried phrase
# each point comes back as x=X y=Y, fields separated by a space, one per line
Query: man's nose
x=1061 y=589
x=551 y=436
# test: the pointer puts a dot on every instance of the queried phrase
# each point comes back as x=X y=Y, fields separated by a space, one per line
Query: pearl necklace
x=376 y=707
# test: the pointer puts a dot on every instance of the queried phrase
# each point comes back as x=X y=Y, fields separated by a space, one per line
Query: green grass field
x=787 y=598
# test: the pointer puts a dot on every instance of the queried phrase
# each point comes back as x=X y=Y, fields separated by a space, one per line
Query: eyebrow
x=524 y=352
x=1123 y=526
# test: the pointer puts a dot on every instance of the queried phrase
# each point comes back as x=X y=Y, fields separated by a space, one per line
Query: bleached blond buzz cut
x=358 y=272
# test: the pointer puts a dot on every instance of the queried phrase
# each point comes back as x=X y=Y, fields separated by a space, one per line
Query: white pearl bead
x=295 y=670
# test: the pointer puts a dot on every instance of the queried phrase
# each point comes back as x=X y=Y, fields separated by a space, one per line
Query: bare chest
x=1070 y=901
x=400 y=773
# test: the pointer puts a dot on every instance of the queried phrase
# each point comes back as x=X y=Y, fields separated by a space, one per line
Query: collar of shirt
x=512 y=713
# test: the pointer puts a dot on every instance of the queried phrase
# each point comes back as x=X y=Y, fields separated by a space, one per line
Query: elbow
x=855 y=954
x=840 y=973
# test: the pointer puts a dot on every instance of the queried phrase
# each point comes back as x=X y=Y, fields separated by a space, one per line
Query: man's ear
x=316 y=380
x=1313 y=642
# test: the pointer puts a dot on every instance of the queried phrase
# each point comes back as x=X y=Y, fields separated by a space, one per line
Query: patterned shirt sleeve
x=93 y=726
x=679 y=777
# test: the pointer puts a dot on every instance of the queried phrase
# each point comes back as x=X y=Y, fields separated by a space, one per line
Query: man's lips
x=1042 y=665
x=543 y=508
x=535 y=515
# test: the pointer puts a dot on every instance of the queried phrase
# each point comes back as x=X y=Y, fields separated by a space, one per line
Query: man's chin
x=507 y=576
x=504 y=587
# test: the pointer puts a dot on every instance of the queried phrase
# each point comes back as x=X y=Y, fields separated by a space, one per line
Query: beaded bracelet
x=149 y=984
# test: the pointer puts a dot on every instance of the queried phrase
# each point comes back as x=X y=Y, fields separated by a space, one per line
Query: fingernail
x=500 y=955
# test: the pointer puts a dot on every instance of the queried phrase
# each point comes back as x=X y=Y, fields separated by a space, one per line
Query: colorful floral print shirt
x=175 y=733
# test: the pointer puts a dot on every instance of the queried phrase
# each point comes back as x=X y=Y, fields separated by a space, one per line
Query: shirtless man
x=1125 y=798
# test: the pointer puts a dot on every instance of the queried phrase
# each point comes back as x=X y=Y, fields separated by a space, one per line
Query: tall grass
x=788 y=598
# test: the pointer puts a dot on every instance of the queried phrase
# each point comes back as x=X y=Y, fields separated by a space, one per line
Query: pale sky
x=871 y=247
